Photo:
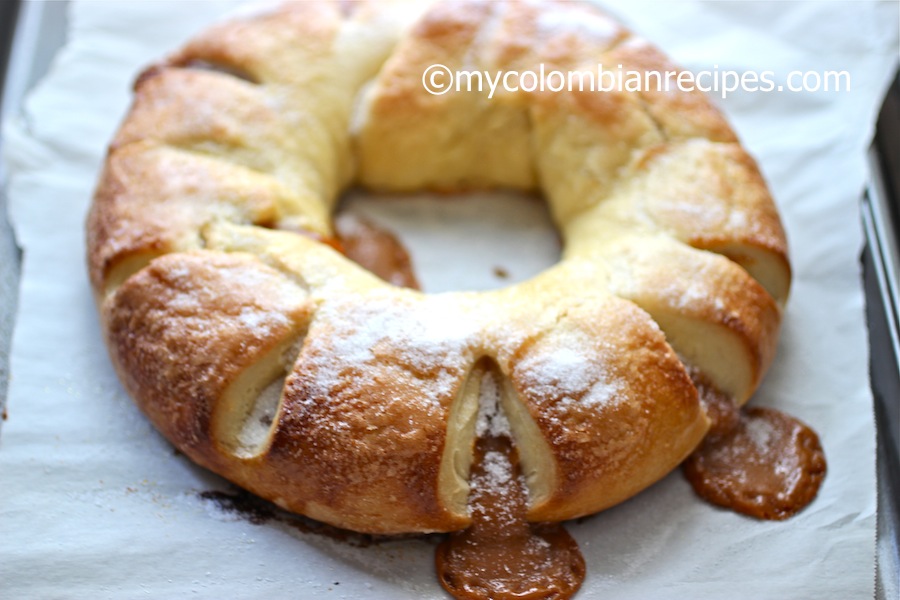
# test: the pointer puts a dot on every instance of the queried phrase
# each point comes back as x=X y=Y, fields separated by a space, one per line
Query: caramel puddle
x=501 y=555
x=372 y=247
x=375 y=249
x=759 y=462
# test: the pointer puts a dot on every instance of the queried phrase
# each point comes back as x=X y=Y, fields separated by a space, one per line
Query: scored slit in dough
x=248 y=412
x=488 y=392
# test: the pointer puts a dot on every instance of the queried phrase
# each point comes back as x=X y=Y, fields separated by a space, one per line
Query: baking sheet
x=95 y=504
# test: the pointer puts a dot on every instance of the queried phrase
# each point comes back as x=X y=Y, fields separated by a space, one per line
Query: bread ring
x=271 y=359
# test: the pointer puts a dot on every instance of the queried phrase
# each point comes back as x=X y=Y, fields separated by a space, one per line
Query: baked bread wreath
x=265 y=355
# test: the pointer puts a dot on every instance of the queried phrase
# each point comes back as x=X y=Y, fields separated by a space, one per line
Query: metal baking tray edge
x=880 y=210
x=31 y=32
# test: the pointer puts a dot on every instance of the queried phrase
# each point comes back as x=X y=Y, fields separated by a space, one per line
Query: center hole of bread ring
x=477 y=241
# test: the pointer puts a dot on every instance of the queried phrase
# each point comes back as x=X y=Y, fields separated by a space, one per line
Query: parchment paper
x=95 y=504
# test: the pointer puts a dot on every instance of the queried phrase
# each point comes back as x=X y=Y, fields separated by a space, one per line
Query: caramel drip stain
x=724 y=415
x=257 y=511
x=502 y=556
x=333 y=242
x=759 y=462
x=372 y=247
x=376 y=250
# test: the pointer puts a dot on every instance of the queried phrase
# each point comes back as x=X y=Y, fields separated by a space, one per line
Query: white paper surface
x=94 y=504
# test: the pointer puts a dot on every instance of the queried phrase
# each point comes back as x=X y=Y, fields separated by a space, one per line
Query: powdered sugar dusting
x=496 y=476
x=687 y=296
x=761 y=433
x=569 y=369
x=259 y=322
x=738 y=220
x=369 y=340
x=564 y=19
x=571 y=375
x=497 y=471
x=496 y=480
x=491 y=418
x=255 y=429
x=261 y=296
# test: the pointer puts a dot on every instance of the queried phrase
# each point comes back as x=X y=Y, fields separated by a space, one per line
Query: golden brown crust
x=678 y=114
x=271 y=359
x=154 y=199
x=713 y=313
x=613 y=402
x=182 y=329
x=365 y=412
x=468 y=154
x=729 y=211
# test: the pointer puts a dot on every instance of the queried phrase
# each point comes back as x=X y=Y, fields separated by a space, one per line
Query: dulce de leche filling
x=376 y=250
x=372 y=247
x=501 y=555
x=757 y=461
